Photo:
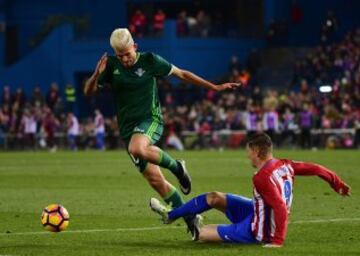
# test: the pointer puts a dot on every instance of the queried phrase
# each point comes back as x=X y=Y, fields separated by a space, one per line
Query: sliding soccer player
x=263 y=218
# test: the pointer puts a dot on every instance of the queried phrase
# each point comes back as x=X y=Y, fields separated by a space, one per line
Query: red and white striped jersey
x=273 y=194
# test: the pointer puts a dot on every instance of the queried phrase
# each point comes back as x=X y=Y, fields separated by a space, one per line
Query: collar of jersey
x=267 y=164
x=137 y=58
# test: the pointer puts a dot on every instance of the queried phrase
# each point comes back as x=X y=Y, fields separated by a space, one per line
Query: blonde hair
x=120 y=39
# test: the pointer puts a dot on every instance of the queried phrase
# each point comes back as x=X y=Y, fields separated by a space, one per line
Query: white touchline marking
x=166 y=227
x=325 y=220
x=93 y=231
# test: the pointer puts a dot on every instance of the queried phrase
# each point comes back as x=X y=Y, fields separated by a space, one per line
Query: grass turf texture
x=105 y=194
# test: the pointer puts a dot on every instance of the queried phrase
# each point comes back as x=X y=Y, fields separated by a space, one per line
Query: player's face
x=127 y=56
x=252 y=154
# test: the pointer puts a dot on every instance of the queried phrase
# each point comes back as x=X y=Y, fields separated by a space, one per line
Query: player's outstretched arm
x=91 y=84
x=191 y=78
x=307 y=169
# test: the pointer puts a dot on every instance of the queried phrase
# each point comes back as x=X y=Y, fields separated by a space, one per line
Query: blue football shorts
x=240 y=211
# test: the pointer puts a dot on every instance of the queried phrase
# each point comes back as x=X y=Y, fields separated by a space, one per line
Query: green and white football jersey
x=135 y=90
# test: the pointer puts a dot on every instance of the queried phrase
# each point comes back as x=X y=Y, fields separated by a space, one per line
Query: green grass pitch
x=109 y=215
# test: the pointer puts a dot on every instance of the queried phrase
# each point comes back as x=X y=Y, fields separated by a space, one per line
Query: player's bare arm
x=191 y=78
x=91 y=84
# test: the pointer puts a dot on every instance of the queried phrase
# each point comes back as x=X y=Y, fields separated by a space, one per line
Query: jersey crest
x=140 y=72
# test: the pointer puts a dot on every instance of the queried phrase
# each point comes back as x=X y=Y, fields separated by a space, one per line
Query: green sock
x=166 y=161
x=173 y=198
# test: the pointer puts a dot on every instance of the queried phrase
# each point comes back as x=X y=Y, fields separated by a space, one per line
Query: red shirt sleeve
x=272 y=197
x=307 y=169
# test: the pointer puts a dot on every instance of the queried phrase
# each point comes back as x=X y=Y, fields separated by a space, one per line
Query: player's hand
x=345 y=190
x=101 y=65
x=227 y=86
x=272 y=246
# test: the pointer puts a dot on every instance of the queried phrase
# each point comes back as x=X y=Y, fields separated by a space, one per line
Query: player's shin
x=192 y=207
x=173 y=197
x=166 y=161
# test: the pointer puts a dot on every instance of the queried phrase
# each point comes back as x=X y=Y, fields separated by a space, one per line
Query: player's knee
x=214 y=198
x=202 y=235
x=136 y=151
x=206 y=234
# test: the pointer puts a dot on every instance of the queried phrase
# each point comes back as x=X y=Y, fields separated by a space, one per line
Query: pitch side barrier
x=319 y=138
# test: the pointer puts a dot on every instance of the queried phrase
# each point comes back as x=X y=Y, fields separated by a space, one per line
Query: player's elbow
x=187 y=74
x=183 y=74
x=87 y=90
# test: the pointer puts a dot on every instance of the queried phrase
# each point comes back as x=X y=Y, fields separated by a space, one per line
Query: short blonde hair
x=120 y=39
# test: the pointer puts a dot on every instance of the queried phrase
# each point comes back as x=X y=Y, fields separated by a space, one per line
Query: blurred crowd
x=290 y=116
x=48 y=121
x=287 y=115
x=201 y=24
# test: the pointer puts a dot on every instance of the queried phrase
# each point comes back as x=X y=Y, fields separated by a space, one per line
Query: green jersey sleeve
x=161 y=66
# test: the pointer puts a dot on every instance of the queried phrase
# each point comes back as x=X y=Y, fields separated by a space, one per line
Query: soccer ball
x=55 y=218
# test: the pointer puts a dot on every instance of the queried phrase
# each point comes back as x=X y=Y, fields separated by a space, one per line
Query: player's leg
x=169 y=194
x=142 y=146
x=234 y=233
x=209 y=233
x=158 y=182
x=197 y=205
x=239 y=210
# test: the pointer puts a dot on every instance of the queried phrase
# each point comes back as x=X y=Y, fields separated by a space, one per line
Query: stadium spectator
x=182 y=28
x=72 y=131
x=112 y=130
x=251 y=120
x=306 y=123
x=37 y=98
x=52 y=95
x=5 y=118
x=99 y=123
x=159 y=22
x=253 y=62
x=6 y=96
x=19 y=98
x=296 y=13
x=271 y=123
x=234 y=63
x=256 y=96
x=203 y=23
x=138 y=23
x=29 y=123
x=86 y=132
x=49 y=125
x=70 y=98
x=289 y=127
x=59 y=107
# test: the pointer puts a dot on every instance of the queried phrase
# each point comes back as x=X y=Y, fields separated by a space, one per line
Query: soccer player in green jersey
x=131 y=76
